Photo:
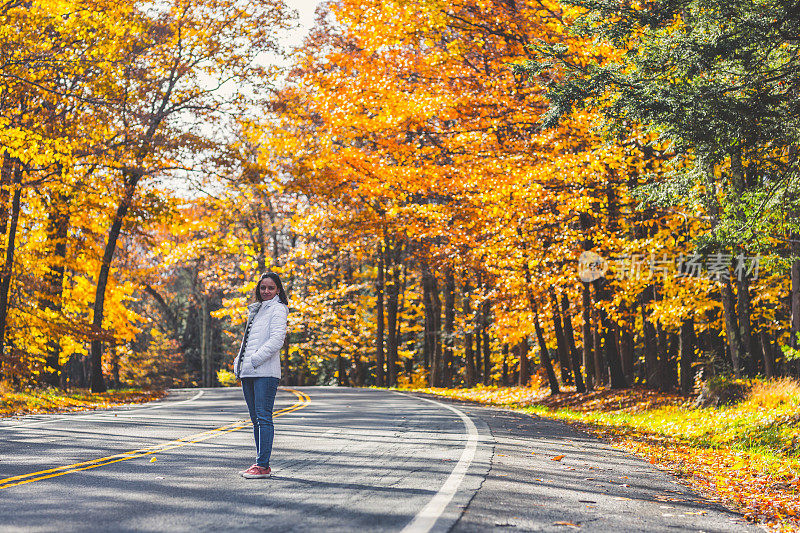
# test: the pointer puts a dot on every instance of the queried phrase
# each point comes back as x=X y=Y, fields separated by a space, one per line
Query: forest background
x=424 y=175
x=495 y=200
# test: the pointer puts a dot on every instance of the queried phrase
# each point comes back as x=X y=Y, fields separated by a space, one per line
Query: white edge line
x=100 y=413
x=169 y=404
x=427 y=517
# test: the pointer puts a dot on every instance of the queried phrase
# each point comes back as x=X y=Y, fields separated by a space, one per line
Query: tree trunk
x=434 y=370
x=662 y=351
x=588 y=357
x=438 y=352
x=401 y=284
x=625 y=343
x=8 y=267
x=748 y=355
x=756 y=351
x=671 y=368
x=783 y=364
x=478 y=334
x=204 y=358
x=287 y=362
x=618 y=380
x=58 y=222
x=449 y=325
x=687 y=341
x=360 y=370
x=570 y=338
x=354 y=376
x=392 y=302
x=97 y=383
x=379 y=290
x=544 y=355
x=601 y=372
x=731 y=327
x=487 y=360
x=794 y=341
x=609 y=330
x=769 y=357
x=437 y=369
x=543 y=352
x=650 y=347
x=524 y=364
x=427 y=318
x=341 y=371
x=561 y=341
x=114 y=365
x=469 y=355
x=6 y=181
x=505 y=365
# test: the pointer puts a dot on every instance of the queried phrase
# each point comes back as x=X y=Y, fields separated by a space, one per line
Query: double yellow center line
x=302 y=401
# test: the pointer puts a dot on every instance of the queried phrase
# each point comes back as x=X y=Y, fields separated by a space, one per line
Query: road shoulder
x=548 y=476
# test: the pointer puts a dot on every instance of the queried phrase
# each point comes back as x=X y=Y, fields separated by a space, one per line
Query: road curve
x=343 y=460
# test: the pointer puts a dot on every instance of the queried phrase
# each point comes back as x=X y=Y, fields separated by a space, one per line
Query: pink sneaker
x=256 y=472
x=241 y=472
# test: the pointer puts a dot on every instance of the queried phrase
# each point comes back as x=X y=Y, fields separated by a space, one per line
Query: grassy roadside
x=746 y=455
x=16 y=403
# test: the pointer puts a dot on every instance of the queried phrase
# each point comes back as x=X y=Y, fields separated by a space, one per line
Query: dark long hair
x=274 y=277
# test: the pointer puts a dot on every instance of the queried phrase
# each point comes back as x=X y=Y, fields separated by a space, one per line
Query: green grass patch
x=766 y=422
x=745 y=451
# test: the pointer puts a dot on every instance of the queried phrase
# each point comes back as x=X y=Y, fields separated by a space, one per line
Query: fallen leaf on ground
x=557 y=457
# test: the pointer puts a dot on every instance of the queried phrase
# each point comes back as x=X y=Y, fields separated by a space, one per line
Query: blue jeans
x=259 y=393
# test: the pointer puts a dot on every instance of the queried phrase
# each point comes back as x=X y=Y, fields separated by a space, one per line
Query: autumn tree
x=717 y=82
x=100 y=103
x=185 y=44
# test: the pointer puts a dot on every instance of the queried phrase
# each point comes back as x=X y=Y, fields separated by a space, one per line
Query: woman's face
x=267 y=289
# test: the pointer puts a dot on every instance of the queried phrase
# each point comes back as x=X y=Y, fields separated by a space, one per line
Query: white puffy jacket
x=261 y=356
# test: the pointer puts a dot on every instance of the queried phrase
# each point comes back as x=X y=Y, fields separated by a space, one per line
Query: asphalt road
x=343 y=460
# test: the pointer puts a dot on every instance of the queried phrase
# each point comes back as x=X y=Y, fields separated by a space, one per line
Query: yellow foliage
x=226 y=378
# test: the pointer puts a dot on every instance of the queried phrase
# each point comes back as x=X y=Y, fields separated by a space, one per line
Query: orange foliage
x=18 y=403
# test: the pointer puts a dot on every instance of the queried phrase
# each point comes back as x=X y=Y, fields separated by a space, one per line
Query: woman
x=258 y=365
